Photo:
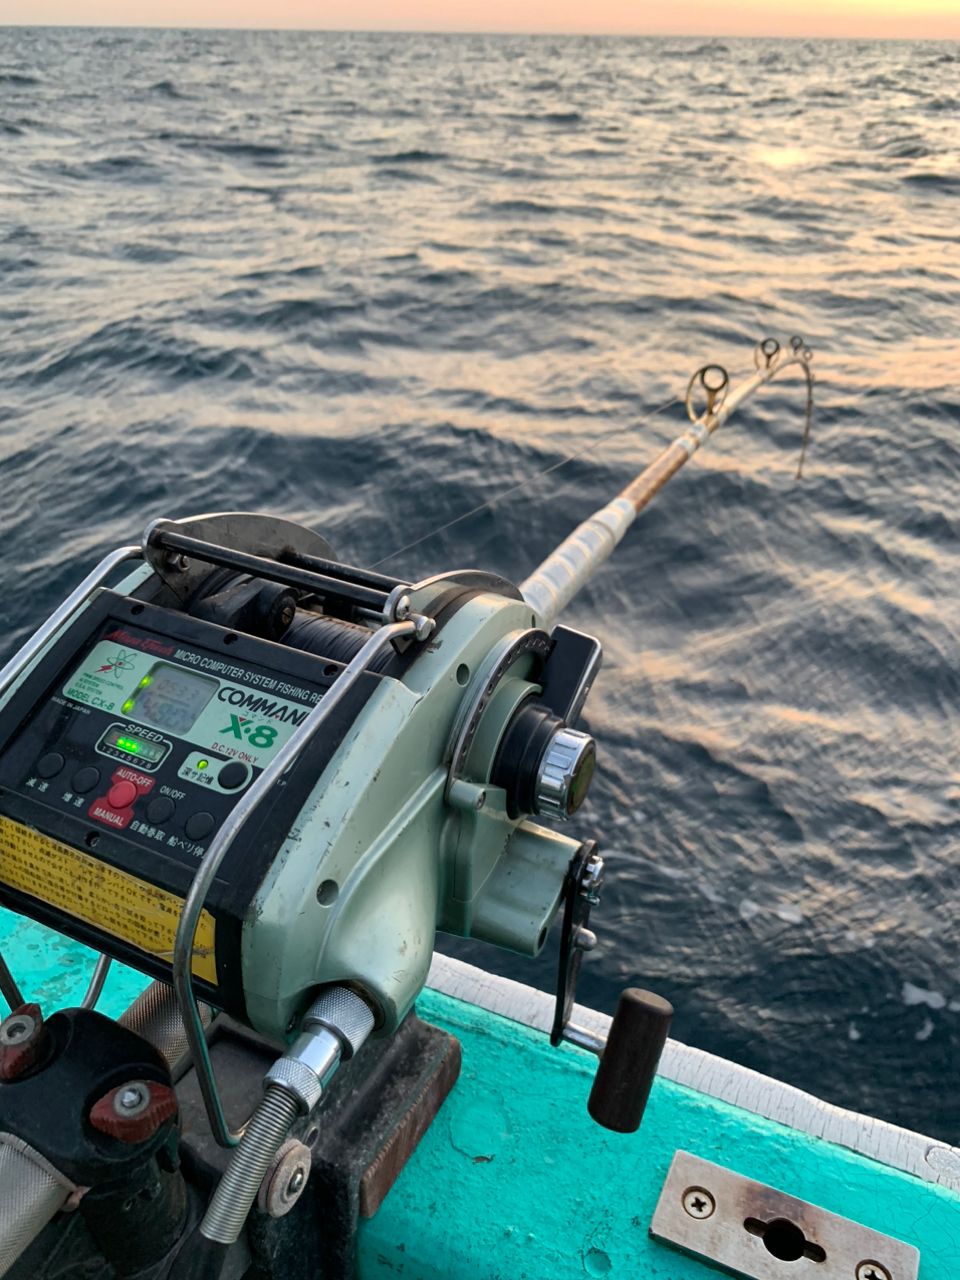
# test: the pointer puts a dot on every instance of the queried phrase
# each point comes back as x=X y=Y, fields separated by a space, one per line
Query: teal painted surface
x=54 y=971
x=515 y=1182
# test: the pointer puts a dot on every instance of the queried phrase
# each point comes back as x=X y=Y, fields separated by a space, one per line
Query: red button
x=122 y=795
x=119 y=821
x=141 y=781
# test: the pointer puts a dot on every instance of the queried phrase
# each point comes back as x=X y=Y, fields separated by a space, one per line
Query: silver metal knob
x=565 y=773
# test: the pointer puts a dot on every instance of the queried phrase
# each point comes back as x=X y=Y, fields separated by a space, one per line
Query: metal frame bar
x=346 y=572
x=98 y=978
x=11 y=671
x=96 y=578
x=210 y=865
x=9 y=988
x=263 y=567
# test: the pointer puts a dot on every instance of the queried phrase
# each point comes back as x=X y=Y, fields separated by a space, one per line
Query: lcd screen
x=170 y=698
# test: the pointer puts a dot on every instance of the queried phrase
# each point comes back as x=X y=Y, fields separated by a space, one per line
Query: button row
x=84 y=780
x=231 y=776
x=115 y=809
x=197 y=825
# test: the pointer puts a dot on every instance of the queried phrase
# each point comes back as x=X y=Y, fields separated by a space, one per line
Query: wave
x=414 y=156
x=946 y=182
x=167 y=89
x=127 y=347
x=123 y=168
x=565 y=118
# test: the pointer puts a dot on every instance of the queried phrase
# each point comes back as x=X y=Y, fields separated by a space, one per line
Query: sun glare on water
x=783 y=157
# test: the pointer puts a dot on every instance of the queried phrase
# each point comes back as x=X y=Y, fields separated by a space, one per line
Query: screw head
x=17 y=1029
x=424 y=627
x=699 y=1203
x=22 y=1039
x=134 y=1111
x=132 y=1097
x=402 y=608
x=869 y=1270
x=285 y=1179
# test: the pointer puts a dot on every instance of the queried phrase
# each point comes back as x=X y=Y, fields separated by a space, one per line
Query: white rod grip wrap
x=550 y=589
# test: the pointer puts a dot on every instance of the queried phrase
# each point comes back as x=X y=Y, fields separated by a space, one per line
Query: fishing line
x=764 y=351
x=528 y=481
x=807 y=418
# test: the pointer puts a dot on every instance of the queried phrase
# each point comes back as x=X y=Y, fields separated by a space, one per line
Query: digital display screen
x=134 y=746
x=170 y=698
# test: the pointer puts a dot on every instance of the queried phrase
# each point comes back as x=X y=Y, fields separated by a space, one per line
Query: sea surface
x=371 y=282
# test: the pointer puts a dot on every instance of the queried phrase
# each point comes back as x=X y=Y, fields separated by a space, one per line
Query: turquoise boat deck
x=514 y=1181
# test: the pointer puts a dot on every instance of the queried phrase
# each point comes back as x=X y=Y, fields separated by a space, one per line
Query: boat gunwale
x=888 y=1144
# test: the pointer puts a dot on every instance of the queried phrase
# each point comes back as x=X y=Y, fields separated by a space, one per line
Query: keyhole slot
x=785 y=1240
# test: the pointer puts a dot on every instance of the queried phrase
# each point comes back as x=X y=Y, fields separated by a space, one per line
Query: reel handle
x=628 y=1063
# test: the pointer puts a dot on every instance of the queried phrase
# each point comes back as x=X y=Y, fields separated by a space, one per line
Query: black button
x=159 y=810
x=50 y=764
x=233 y=775
x=200 y=825
x=85 y=780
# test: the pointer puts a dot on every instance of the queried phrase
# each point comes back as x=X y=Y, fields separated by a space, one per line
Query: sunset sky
x=937 y=19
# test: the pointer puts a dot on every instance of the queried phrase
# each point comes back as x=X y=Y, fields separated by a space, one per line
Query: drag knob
x=544 y=766
x=565 y=773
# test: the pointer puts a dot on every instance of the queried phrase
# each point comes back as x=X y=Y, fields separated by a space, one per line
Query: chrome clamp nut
x=296 y=1079
x=343 y=1012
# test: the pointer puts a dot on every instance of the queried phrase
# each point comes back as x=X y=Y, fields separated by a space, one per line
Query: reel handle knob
x=628 y=1064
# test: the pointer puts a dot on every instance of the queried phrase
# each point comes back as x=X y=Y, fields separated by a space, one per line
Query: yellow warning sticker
x=115 y=901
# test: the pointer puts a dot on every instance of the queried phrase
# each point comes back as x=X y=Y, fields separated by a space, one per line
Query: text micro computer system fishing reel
x=266 y=779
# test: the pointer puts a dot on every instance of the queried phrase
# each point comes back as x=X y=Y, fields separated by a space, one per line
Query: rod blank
x=552 y=586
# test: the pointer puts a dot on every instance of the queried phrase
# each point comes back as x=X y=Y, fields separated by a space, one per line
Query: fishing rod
x=551 y=587
x=266 y=779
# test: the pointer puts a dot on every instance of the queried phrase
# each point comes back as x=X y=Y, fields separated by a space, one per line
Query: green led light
x=145 y=681
x=127 y=706
x=203 y=764
x=129 y=744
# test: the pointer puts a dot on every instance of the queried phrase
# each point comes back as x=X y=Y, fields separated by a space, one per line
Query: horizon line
x=610 y=34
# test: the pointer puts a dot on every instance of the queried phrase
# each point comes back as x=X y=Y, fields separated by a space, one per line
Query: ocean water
x=371 y=282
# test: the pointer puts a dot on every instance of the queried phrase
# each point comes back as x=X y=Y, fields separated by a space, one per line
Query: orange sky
x=937 y=19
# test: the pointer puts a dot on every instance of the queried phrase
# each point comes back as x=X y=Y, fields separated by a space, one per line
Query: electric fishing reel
x=362 y=758
x=256 y=772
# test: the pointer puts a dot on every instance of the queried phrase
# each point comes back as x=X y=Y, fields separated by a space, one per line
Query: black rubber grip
x=629 y=1063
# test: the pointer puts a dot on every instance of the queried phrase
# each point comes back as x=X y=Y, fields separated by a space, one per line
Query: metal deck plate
x=756 y=1232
